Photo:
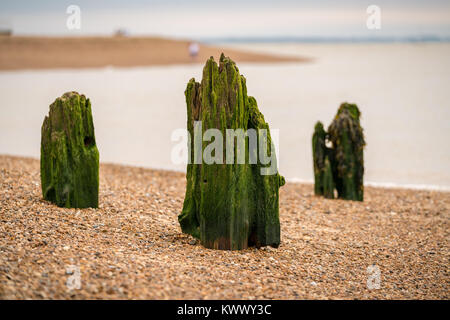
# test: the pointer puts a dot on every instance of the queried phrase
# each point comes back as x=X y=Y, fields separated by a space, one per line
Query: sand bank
x=91 y=52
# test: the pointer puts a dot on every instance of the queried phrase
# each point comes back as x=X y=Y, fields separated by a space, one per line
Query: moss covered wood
x=340 y=167
x=323 y=174
x=69 y=155
x=228 y=206
x=319 y=154
x=346 y=136
x=327 y=178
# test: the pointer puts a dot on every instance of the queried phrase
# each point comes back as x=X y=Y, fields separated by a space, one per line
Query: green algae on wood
x=323 y=176
x=69 y=155
x=341 y=166
x=327 y=179
x=319 y=154
x=347 y=138
x=228 y=206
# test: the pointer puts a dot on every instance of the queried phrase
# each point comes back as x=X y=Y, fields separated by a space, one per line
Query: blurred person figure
x=120 y=33
x=194 y=48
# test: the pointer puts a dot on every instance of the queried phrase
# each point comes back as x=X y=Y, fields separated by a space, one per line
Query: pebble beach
x=132 y=247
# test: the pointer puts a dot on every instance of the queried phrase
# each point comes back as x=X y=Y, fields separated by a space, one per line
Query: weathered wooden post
x=69 y=155
x=319 y=153
x=342 y=165
x=323 y=175
x=346 y=135
x=327 y=178
x=228 y=204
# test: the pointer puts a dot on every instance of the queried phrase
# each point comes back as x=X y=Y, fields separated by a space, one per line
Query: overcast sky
x=231 y=18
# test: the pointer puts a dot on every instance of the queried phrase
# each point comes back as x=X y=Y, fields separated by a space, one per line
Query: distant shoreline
x=334 y=40
x=18 y=52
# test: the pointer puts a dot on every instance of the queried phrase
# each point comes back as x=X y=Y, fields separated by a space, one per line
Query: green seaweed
x=228 y=206
x=319 y=154
x=346 y=135
x=340 y=167
x=69 y=155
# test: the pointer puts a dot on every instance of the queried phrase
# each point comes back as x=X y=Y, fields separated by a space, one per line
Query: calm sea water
x=401 y=89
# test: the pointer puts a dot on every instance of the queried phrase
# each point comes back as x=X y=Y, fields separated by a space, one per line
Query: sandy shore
x=132 y=247
x=90 y=52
